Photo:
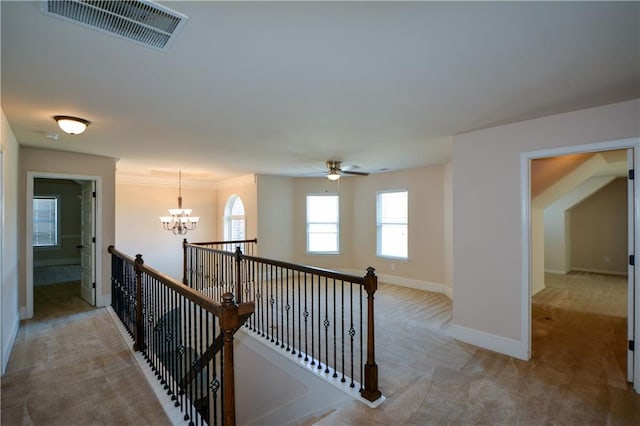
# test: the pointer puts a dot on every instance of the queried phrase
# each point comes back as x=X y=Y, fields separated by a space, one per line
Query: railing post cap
x=139 y=258
x=227 y=298
x=371 y=271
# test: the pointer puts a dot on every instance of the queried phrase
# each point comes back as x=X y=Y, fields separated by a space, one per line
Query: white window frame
x=336 y=223
x=58 y=229
x=229 y=218
x=380 y=224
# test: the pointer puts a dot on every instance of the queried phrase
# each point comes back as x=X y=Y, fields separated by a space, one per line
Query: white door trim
x=525 y=198
x=31 y=176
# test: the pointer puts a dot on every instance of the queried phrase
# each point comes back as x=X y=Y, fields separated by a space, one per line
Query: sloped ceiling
x=278 y=88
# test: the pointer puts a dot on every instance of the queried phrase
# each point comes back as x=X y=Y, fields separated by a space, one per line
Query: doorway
x=532 y=250
x=63 y=234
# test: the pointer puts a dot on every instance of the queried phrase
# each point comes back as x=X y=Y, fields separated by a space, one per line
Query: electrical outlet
x=393 y=266
x=607 y=259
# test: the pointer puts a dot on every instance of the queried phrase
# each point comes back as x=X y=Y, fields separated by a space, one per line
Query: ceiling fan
x=335 y=171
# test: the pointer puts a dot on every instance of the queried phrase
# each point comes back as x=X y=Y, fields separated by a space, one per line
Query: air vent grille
x=141 y=21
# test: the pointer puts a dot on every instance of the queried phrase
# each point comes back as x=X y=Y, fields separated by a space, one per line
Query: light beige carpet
x=70 y=366
x=576 y=376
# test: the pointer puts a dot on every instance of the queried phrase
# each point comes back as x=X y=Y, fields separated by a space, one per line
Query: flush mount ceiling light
x=71 y=125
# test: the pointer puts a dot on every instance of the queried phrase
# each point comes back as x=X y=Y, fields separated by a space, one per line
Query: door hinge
x=632 y=174
x=632 y=345
x=94 y=285
x=93 y=240
x=94 y=194
x=632 y=260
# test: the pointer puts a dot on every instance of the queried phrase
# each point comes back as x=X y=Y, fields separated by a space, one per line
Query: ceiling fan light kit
x=335 y=171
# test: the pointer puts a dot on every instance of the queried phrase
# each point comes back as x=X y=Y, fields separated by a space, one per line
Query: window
x=45 y=221
x=392 y=224
x=235 y=219
x=322 y=223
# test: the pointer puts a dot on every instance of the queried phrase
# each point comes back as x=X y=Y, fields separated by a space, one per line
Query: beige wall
x=9 y=232
x=487 y=227
x=344 y=187
x=599 y=231
x=426 y=266
x=65 y=163
x=138 y=227
x=426 y=263
x=67 y=252
x=275 y=216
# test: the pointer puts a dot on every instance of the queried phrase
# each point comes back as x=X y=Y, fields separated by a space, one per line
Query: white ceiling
x=278 y=88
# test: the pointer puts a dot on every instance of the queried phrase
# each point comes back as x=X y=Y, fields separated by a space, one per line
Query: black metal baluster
x=287 y=308
x=299 y=307
x=279 y=284
x=342 y=331
x=352 y=332
x=306 y=325
x=313 y=338
x=272 y=302
x=335 y=357
x=319 y=322
x=326 y=324
x=361 y=343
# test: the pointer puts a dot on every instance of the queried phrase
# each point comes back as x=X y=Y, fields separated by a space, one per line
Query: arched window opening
x=235 y=219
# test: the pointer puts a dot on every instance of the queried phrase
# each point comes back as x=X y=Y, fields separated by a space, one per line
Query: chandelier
x=180 y=221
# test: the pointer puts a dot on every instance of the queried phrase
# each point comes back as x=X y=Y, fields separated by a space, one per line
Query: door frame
x=525 y=192
x=31 y=176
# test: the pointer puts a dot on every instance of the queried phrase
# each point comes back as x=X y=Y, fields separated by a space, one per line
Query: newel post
x=370 y=391
x=139 y=345
x=238 y=275
x=228 y=324
x=184 y=262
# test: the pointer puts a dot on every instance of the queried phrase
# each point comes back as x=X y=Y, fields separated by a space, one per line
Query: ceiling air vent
x=144 y=22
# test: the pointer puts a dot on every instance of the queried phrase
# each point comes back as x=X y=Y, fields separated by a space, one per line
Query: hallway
x=70 y=366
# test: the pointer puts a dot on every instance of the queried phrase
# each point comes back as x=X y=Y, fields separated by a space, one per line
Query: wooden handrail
x=253 y=240
x=231 y=317
x=293 y=266
x=207 y=303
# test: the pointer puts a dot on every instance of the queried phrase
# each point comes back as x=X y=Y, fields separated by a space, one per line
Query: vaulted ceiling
x=280 y=87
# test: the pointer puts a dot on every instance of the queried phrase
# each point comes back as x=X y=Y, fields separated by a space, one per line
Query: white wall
x=9 y=240
x=487 y=217
x=139 y=231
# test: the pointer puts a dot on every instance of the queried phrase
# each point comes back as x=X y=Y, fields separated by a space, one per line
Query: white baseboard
x=489 y=341
x=7 y=346
x=408 y=282
x=556 y=271
x=600 y=271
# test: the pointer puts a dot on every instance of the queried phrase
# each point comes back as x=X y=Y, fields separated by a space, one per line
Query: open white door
x=631 y=272
x=88 y=290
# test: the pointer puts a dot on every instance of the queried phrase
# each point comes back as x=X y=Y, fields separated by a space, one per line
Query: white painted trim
x=6 y=350
x=406 y=282
x=525 y=159
x=312 y=369
x=489 y=341
x=600 y=271
x=27 y=311
x=554 y=271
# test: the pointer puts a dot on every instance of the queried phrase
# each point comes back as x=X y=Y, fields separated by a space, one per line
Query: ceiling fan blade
x=350 y=172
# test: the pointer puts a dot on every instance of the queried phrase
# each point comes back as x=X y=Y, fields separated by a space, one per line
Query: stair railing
x=323 y=317
x=186 y=337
